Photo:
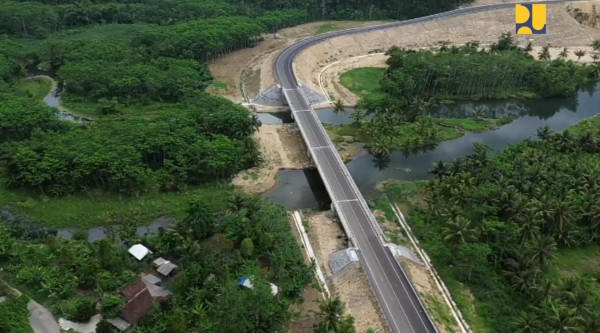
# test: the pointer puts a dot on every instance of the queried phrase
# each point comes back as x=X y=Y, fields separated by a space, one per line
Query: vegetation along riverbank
x=515 y=236
x=391 y=112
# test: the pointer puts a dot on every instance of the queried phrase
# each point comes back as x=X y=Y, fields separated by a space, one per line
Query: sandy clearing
x=351 y=285
x=282 y=147
x=353 y=288
x=485 y=27
x=326 y=236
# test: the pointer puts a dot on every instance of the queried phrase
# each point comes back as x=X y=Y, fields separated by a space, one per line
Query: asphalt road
x=397 y=298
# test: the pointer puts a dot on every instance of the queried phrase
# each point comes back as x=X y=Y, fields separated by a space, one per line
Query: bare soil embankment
x=485 y=27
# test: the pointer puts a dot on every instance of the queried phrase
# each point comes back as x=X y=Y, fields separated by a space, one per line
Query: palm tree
x=478 y=111
x=564 y=53
x=338 y=106
x=527 y=322
x=544 y=54
x=357 y=117
x=560 y=319
x=544 y=249
x=528 y=48
x=459 y=230
x=544 y=133
x=440 y=170
x=331 y=315
x=596 y=45
x=595 y=57
x=579 y=54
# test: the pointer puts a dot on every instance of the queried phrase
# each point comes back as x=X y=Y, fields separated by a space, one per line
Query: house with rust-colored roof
x=139 y=306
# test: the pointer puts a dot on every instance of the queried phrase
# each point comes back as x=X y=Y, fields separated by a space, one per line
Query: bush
x=79 y=309
x=104 y=327
x=112 y=305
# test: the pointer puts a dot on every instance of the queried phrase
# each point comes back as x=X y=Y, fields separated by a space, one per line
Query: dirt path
x=40 y=319
x=282 y=147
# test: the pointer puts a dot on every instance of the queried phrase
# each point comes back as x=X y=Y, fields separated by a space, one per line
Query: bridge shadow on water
x=300 y=189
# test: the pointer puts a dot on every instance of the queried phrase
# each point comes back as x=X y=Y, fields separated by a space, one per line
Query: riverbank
x=430 y=131
x=476 y=301
x=45 y=88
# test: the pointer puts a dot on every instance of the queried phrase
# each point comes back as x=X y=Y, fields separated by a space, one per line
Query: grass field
x=90 y=109
x=445 y=129
x=36 y=88
x=364 y=82
x=590 y=124
x=98 y=209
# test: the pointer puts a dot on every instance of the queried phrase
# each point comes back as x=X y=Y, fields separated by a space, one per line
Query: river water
x=297 y=189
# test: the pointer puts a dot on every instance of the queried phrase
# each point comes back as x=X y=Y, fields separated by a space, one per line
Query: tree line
x=38 y=19
x=497 y=223
x=33 y=19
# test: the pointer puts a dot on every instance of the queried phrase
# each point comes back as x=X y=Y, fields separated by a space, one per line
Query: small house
x=139 y=251
x=164 y=267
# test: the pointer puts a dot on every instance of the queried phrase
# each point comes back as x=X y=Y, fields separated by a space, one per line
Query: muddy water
x=294 y=189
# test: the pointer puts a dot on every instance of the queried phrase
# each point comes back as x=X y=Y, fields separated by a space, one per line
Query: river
x=298 y=189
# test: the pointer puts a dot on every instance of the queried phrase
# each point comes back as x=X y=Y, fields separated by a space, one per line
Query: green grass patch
x=218 y=85
x=467 y=124
x=590 y=125
x=467 y=304
x=37 y=88
x=364 y=82
x=441 y=312
x=98 y=209
x=574 y=262
x=327 y=27
x=90 y=109
x=383 y=204
x=14 y=316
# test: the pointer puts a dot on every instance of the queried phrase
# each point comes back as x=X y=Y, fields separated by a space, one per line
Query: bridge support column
x=332 y=208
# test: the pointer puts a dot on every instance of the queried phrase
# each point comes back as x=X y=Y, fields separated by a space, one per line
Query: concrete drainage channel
x=310 y=253
x=462 y=323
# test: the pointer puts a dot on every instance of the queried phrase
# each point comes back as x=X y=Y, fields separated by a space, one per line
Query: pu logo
x=530 y=18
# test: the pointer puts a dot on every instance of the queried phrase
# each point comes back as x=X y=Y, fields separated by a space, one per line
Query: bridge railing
x=349 y=178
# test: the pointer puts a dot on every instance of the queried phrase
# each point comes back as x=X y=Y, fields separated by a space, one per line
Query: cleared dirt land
x=351 y=284
x=485 y=27
x=254 y=67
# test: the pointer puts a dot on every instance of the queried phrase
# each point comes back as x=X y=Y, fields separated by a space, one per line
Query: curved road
x=397 y=298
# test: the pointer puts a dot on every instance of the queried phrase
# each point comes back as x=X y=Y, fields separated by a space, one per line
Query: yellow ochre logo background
x=530 y=18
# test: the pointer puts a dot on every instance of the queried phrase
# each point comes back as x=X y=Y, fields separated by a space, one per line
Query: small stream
x=98 y=233
x=298 y=189
x=53 y=98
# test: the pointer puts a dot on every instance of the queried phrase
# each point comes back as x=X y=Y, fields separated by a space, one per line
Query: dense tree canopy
x=40 y=18
x=210 y=140
x=495 y=223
